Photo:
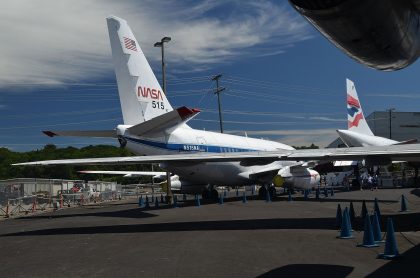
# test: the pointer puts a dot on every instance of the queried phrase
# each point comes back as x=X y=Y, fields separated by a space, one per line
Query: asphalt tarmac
x=255 y=239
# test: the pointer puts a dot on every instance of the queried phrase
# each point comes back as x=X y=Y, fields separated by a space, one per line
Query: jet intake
x=297 y=177
x=384 y=34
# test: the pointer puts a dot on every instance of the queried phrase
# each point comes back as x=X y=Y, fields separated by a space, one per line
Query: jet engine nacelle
x=181 y=187
x=297 y=177
x=384 y=34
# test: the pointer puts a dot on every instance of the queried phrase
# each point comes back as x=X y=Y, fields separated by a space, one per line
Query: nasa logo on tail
x=354 y=111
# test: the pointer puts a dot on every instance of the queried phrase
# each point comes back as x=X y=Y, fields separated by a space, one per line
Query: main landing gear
x=210 y=194
x=262 y=192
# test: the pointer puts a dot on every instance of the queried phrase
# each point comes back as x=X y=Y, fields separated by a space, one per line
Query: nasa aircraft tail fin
x=356 y=118
x=141 y=96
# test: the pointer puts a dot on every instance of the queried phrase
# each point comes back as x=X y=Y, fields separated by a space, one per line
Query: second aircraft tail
x=356 y=118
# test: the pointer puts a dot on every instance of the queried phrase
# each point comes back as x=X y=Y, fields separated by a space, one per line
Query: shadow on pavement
x=405 y=266
x=416 y=192
x=314 y=270
x=402 y=223
x=127 y=213
x=232 y=225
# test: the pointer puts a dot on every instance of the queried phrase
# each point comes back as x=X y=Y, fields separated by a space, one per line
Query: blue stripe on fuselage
x=186 y=147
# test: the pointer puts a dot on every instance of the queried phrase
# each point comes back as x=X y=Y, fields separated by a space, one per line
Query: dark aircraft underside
x=382 y=34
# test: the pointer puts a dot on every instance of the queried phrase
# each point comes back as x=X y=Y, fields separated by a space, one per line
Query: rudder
x=356 y=118
x=141 y=96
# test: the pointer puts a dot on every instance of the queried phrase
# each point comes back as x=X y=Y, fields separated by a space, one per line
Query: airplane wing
x=380 y=154
x=125 y=173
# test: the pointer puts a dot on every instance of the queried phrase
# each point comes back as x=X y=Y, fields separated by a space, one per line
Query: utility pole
x=218 y=91
x=390 y=121
x=161 y=44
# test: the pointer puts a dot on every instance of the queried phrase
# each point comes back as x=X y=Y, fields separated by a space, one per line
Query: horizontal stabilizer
x=411 y=141
x=170 y=120
x=83 y=133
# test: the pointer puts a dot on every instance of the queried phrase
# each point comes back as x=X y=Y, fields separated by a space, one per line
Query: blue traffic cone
x=391 y=250
x=348 y=219
x=237 y=192
x=317 y=193
x=332 y=191
x=267 y=196
x=156 y=203
x=161 y=198
x=378 y=212
x=345 y=232
x=377 y=234
x=368 y=240
x=147 y=202
x=338 y=217
x=364 y=210
x=175 y=203
x=305 y=194
x=403 y=204
x=141 y=202
x=352 y=214
x=221 y=199
x=197 y=201
x=244 y=198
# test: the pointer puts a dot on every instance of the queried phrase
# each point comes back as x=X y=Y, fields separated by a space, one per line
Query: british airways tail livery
x=152 y=127
x=355 y=117
x=359 y=134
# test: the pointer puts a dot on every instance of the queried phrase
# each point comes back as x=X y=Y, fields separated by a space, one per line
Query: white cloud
x=328 y=119
x=50 y=41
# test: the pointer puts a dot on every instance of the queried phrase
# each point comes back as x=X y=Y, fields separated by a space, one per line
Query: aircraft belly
x=210 y=173
x=141 y=149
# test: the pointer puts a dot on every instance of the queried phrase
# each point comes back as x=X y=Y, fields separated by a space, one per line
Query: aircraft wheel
x=206 y=194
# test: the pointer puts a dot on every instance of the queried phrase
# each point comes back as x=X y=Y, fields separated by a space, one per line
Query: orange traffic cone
x=7 y=210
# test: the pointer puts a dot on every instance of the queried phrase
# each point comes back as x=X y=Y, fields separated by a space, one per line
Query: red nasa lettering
x=146 y=92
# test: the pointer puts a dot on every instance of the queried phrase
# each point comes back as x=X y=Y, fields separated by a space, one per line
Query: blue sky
x=283 y=80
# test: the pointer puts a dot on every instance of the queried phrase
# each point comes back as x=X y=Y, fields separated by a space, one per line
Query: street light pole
x=218 y=91
x=161 y=44
x=390 y=121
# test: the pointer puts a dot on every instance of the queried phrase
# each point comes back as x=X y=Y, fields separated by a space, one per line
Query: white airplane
x=202 y=159
x=359 y=133
x=152 y=127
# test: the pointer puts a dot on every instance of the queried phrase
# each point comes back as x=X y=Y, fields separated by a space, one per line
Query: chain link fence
x=23 y=196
